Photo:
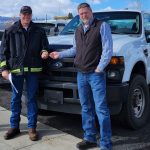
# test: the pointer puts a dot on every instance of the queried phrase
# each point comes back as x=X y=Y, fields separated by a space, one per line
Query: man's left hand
x=97 y=70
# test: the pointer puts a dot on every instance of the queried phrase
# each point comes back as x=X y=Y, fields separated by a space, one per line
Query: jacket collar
x=17 y=27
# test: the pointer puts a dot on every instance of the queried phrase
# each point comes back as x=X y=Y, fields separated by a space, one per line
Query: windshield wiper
x=114 y=32
x=68 y=32
x=104 y=18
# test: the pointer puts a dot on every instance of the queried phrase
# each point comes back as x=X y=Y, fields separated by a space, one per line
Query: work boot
x=85 y=145
x=33 y=134
x=11 y=133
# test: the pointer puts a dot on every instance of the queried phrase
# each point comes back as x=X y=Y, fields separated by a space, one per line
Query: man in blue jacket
x=92 y=50
x=23 y=47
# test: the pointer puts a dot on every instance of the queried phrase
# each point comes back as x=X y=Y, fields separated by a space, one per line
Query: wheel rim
x=138 y=102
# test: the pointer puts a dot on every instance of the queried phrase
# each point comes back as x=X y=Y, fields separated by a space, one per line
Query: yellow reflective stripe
x=15 y=71
x=36 y=69
x=3 y=63
x=26 y=69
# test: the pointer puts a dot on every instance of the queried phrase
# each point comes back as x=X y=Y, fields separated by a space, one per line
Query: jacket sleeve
x=45 y=44
x=4 y=52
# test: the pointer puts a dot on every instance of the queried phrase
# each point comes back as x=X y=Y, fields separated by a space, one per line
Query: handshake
x=53 y=55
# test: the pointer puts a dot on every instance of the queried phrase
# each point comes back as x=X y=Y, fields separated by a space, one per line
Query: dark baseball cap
x=26 y=9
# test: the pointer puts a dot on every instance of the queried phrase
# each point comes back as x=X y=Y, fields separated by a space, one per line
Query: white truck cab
x=128 y=73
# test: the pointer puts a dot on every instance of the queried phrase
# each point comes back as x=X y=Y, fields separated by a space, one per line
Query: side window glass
x=147 y=27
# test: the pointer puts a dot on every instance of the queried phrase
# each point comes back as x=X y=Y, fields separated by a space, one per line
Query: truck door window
x=147 y=27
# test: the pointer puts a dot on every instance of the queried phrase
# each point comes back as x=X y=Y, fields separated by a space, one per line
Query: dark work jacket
x=20 y=50
x=88 y=47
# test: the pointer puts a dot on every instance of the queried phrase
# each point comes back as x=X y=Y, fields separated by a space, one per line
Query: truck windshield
x=121 y=22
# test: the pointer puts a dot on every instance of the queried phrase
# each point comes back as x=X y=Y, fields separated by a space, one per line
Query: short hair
x=83 y=5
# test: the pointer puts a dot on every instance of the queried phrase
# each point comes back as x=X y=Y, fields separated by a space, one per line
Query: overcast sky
x=53 y=8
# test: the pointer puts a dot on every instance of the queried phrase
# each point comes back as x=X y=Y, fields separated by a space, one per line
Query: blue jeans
x=92 y=93
x=31 y=85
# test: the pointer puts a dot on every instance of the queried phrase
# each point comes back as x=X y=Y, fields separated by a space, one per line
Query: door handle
x=145 y=51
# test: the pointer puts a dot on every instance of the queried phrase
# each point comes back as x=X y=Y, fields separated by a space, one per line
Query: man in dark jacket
x=23 y=47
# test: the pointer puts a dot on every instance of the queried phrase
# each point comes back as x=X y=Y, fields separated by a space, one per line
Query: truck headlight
x=113 y=74
x=115 y=69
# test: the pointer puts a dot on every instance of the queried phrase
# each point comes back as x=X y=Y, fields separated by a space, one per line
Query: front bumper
x=63 y=97
x=116 y=96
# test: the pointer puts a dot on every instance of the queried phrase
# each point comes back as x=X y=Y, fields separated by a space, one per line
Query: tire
x=136 y=109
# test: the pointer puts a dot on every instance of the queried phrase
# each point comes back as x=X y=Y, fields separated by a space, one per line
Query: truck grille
x=62 y=69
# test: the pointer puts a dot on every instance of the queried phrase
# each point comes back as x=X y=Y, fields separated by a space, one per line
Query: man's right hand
x=5 y=74
x=54 y=55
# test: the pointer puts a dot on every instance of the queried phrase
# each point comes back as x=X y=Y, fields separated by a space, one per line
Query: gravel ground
x=123 y=138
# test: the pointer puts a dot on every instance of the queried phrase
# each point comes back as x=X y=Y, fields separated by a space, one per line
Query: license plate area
x=53 y=96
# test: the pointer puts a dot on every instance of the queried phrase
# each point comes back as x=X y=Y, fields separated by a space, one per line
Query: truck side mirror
x=1 y=35
x=56 y=29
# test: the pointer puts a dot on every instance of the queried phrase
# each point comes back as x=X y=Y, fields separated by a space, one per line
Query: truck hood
x=61 y=39
x=120 y=42
x=124 y=42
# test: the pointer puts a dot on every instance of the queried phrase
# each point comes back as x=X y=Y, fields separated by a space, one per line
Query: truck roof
x=125 y=10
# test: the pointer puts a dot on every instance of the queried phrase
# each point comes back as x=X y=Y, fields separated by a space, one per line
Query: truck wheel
x=137 y=107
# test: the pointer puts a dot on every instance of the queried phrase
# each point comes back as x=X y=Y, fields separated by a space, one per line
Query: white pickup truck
x=128 y=74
